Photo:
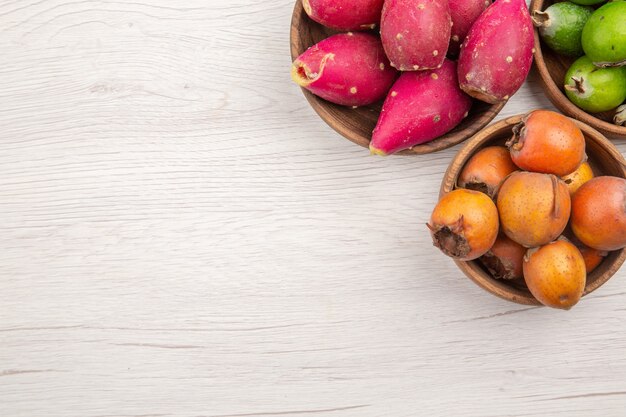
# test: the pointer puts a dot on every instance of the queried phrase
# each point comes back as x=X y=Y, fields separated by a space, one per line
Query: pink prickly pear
x=345 y=14
x=464 y=13
x=350 y=69
x=498 y=52
x=416 y=33
x=420 y=107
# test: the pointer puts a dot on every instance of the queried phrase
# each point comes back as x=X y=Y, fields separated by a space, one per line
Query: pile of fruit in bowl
x=532 y=209
x=429 y=60
x=584 y=53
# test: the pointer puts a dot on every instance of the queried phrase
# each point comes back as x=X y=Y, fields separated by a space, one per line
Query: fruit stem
x=564 y=239
x=529 y=253
x=578 y=86
x=499 y=268
x=516 y=142
x=450 y=240
x=541 y=19
x=610 y=64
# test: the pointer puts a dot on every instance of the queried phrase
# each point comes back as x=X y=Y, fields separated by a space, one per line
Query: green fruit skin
x=605 y=88
x=604 y=34
x=587 y=2
x=567 y=20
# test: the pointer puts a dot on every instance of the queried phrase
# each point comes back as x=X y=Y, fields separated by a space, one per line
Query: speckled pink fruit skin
x=498 y=52
x=416 y=33
x=420 y=107
x=463 y=13
x=354 y=69
x=345 y=14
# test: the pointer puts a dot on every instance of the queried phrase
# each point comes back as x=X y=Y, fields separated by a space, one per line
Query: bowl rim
x=558 y=98
x=472 y=269
x=319 y=106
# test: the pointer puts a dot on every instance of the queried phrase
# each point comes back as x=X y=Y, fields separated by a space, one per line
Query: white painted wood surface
x=182 y=236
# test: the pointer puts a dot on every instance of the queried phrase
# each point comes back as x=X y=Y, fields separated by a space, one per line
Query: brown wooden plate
x=604 y=158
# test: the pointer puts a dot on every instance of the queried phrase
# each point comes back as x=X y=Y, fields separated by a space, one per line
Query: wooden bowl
x=552 y=68
x=357 y=124
x=604 y=158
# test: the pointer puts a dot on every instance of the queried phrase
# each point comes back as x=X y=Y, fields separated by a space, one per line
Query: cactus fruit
x=416 y=33
x=498 y=52
x=420 y=107
x=464 y=13
x=349 y=69
x=345 y=15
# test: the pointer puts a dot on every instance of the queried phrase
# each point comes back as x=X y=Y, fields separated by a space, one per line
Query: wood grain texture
x=358 y=124
x=182 y=235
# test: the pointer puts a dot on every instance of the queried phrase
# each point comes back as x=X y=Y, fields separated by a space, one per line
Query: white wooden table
x=182 y=236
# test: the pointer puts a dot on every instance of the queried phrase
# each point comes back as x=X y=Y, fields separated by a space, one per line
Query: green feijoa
x=561 y=26
x=587 y=2
x=595 y=89
x=604 y=35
